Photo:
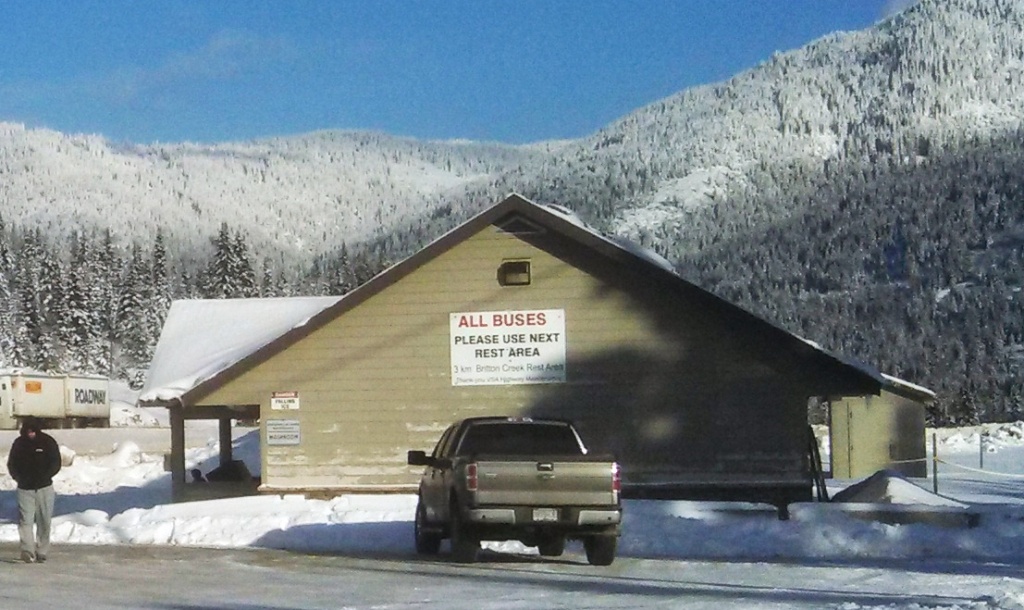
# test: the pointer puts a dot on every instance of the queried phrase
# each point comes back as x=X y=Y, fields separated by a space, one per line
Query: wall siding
x=872 y=433
x=651 y=377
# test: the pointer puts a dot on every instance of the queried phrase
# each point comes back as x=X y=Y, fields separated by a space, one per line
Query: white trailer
x=61 y=401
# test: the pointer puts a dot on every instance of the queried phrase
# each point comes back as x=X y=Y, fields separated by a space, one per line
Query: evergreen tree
x=229 y=274
x=107 y=271
x=52 y=303
x=27 y=318
x=218 y=281
x=77 y=329
x=244 y=277
x=134 y=315
x=161 y=293
x=343 y=278
x=7 y=305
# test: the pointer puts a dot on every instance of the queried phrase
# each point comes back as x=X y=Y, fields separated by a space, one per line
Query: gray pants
x=35 y=510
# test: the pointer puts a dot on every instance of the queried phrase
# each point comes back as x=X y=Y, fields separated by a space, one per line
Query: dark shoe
x=40 y=558
x=28 y=557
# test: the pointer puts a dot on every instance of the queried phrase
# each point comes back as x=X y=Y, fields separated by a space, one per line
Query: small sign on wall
x=284 y=401
x=283 y=432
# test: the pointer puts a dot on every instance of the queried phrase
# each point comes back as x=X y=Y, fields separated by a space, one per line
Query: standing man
x=33 y=461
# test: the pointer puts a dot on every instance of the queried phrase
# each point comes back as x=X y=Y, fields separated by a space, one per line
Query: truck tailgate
x=541 y=482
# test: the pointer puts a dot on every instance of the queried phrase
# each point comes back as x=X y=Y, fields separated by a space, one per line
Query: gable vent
x=518 y=225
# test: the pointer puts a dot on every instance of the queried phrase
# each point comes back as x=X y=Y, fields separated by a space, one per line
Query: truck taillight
x=616 y=478
x=471 y=478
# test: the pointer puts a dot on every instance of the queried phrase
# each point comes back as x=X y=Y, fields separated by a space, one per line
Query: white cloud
x=226 y=56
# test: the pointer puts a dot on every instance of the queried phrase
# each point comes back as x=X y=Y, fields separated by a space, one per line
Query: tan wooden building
x=521 y=310
x=885 y=432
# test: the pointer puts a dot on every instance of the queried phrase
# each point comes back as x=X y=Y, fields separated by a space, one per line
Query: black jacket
x=34 y=461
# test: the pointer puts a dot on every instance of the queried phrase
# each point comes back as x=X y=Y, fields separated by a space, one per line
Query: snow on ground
x=120 y=494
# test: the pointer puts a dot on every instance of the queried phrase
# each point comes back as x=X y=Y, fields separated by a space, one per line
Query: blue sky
x=511 y=71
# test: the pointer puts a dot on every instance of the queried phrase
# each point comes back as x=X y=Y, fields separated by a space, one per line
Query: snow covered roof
x=902 y=386
x=893 y=384
x=202 y=338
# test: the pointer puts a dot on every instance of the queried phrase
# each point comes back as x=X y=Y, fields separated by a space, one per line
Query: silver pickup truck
x=501 y=478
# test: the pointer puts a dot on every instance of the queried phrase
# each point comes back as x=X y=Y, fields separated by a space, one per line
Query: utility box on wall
x=872 y=433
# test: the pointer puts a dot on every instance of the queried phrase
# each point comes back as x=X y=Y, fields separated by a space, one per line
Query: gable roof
x=190 y=375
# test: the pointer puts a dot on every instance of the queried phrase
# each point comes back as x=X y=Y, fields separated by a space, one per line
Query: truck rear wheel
x=600 y=549
x=464 y=545
x=427 y=542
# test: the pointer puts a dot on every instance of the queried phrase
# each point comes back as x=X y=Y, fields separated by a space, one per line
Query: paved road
x=173 y=578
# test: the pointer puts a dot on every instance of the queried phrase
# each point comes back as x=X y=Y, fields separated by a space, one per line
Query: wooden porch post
x=177 y=416
x=225 y=441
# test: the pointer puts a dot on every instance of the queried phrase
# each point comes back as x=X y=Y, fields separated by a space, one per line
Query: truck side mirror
x=418 y=458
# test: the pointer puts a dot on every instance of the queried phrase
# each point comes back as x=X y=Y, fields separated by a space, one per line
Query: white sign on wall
x=283 y=432
x=284 y=401
x=508 y=347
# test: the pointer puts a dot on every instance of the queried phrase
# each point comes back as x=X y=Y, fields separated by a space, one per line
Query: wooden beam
x=224 y=425
x=177 y=450
x=223 y=411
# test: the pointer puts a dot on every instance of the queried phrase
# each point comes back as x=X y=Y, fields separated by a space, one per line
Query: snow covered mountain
x=298 y=196
x=917 y=85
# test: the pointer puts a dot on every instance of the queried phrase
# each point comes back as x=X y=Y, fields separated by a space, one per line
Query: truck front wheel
x=427 y=542
x=600 y=549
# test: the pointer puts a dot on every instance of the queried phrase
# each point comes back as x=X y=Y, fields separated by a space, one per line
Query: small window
x=514 y=273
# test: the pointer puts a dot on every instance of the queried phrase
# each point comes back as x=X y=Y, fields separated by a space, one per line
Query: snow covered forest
x=865 y=191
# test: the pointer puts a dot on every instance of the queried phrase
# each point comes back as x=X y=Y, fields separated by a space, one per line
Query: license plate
x=545 y=514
